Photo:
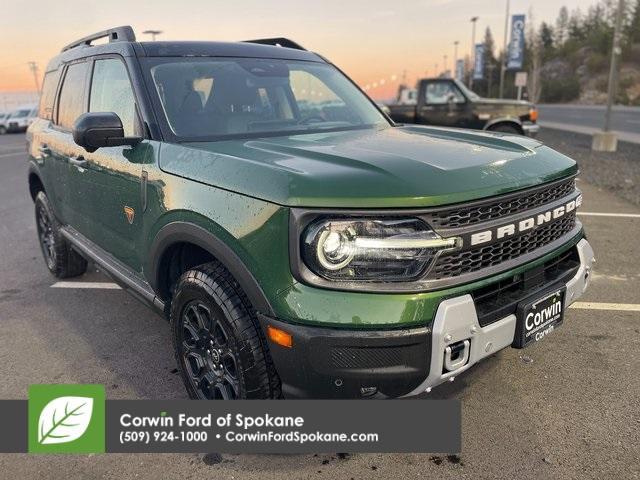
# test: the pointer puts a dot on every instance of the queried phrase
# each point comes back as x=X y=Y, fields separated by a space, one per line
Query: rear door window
x=72 y=96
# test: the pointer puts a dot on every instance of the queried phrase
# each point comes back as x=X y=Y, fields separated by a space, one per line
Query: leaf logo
x=64 y=419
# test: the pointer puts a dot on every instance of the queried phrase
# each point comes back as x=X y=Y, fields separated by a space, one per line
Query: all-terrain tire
x=219 y=346
x=61 y=260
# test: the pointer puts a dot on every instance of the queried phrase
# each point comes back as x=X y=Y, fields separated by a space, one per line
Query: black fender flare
x=515 y=121
x=178 y=231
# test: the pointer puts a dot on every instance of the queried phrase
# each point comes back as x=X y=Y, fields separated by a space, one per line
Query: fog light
x=279 y=336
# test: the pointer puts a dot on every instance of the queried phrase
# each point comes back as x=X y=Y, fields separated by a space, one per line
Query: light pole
x=455 y=57
x=503 y=65
x=606 y=141
x=153 y=34
x=473 y=49
x=444 y=65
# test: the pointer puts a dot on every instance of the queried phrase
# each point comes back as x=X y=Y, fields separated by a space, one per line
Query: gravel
x=617 y=172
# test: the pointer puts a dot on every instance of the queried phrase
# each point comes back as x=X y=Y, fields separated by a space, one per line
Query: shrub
x=560 y=90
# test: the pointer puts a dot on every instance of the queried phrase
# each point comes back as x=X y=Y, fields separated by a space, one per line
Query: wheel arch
x=35 y=183
x=511 y=121
x=180 y=232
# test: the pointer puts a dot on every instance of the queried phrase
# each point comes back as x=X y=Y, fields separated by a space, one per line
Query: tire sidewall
x=190 y=289
x=42 y=202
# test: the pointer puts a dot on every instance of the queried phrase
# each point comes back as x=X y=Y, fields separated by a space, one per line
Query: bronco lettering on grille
x=509 y=229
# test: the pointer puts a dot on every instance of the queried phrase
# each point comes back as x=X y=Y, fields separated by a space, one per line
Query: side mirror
x=101 y=129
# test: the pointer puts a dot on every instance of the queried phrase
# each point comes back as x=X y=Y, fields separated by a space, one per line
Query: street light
x=153 y=34
x=473 y=49
x=455 y=57
x=606 y=141
x=503 y=67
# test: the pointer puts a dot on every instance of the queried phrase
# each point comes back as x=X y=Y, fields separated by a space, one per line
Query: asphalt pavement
x=590 y=118
x=564 y=408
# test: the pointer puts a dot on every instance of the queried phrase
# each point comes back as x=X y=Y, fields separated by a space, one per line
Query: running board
x=114 y=268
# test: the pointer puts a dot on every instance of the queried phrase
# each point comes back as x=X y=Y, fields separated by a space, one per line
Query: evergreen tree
x=562 y=24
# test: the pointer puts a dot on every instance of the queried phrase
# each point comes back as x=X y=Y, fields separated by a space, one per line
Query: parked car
x=20 y=119
x=447 y=102
x=299 y=243
x=3 y=122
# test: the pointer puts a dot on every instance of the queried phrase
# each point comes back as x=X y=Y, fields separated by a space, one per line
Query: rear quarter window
x=71 y=103
x=49 y=87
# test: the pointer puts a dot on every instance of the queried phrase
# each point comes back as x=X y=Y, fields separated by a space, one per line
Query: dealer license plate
x=538 y=318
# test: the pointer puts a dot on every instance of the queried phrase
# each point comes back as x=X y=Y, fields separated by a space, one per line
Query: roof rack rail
x=117 y=34
x=277 y=42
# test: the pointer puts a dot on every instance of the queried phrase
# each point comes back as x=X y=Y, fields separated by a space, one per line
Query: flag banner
x=478 y=62
x=515 y=49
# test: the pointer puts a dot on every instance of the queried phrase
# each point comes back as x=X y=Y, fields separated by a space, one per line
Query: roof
x=122 y=42
x=225 y=49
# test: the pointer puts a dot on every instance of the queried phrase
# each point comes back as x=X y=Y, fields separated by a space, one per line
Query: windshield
x=20 y=113
x=469 y=93
x=227 y=97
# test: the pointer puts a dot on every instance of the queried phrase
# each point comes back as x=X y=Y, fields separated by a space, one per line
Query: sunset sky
x=371 y=40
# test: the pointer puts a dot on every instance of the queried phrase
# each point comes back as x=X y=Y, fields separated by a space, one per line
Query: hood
x=390 y=167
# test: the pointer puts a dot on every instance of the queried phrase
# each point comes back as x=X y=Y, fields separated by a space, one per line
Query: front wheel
x=219 y=347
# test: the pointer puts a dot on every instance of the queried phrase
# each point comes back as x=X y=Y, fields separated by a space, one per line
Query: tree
x=575 y=28
x=634 y=25
x=533 y=58
x=546 y=37
x=490 y=63
x=562 y=24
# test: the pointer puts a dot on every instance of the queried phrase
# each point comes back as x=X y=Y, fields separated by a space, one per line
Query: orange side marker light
x=279 y=336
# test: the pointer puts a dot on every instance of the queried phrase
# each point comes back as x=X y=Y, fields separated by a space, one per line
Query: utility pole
x=503 y=67
x=473 y=49
x=153 y=34
x=33 y=66
x=606 y=141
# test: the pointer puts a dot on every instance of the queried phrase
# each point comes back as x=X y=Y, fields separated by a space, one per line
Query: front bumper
x=339 y=363
x=530 y=129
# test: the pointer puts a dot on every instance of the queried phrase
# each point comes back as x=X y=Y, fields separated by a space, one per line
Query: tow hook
x=456 y=355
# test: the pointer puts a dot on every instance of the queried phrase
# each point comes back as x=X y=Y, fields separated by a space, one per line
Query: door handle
x=78 y=161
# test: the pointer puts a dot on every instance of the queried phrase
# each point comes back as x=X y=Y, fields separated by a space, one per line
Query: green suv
x=300 y=243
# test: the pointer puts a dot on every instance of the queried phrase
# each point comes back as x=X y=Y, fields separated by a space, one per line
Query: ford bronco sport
x=300 y=243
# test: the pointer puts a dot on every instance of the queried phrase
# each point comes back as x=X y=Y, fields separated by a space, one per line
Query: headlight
x=372 y=250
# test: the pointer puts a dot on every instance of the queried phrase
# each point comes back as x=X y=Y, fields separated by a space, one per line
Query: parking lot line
x=622 y=307
x=600 y=214
x=12 y=154
x=98 y=285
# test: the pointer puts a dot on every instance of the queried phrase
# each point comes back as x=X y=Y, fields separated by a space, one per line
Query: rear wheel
x=219 y=347
x=61 y=260
x=3 y=129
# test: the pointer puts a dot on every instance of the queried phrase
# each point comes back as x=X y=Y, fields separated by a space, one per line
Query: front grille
x=497 y=208
x=469 y=261
x=501 y=299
